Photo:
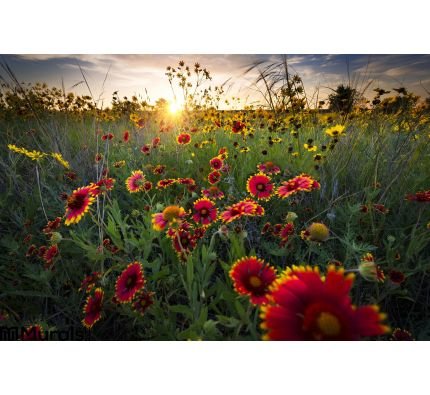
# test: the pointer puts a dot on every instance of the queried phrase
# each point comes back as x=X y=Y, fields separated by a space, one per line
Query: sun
x=174 y=108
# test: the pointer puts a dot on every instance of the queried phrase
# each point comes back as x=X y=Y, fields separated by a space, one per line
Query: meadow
x=143 y=221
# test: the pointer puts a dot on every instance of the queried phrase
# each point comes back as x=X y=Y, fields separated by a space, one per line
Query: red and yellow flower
x=49 y=255
x=245 y=207
x=285 y=233
x=303 y=182
x=93 y=308
x=369 y=270
x=167 y=182
x=268 y=168
x=214 y=177
x=78 y=203
x=186 y=181
x=129 y=282
x=159 y=169
x=183 y=243
x=213 y=192
x=33 y=333
x=252 y=276
x=237 y=127
x=183 y=139
x=171 y=215
x=216 y=163
x=142 y=302
x=205 y=212
x=260 y=186
x=145 y=149
x=303 y=305
x=135 y=183
x=423 y=196
x=401 y=335
x=90 y=281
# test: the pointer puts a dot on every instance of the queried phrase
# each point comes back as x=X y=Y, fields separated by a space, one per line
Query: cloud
x=133 y=73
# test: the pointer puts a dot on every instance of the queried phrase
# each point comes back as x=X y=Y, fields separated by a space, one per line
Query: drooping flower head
x=108 y=136
x=401 y=335
x=369 y=270
x=421 y=197
x=268 y=168
x=204 y=211
x=78 y=203
x=135 y=182
x=159 y=169
x=396 y=276
x=90 y=281
x=252 y=276
x=156 y=142
x=183 y=139
x=213 y=192
x=167 y=182
x=260 y=186
x=143 y=301
x=303 y=305
x=183 y=242
x=129 y=282
x=186 y=181
x=104 y=185
x=171 y=215
x=93 y=308
x=245 y=207
x=49 y=256
x=126 y=136
x=285 y=233
x=267 y=228
x=303 y=182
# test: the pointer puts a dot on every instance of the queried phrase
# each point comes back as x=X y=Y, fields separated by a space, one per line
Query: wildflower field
x=212 y=220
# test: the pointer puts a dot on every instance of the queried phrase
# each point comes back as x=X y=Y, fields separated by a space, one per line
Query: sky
x=144 y=75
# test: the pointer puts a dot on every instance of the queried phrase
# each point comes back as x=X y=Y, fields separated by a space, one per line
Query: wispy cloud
x=132 y=74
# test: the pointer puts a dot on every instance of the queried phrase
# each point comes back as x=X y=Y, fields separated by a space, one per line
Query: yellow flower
x=310 y=147
x=335 y=131
x=59 y=158
x=33 y=155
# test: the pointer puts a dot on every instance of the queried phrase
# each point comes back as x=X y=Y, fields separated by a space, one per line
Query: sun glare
x=174 y=108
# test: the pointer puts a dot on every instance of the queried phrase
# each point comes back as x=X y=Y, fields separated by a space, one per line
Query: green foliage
x=378 y=161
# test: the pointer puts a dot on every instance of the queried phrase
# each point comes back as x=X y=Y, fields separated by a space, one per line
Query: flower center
x=171 y=213
x=235 y=211
x=260 y=187
x=130 y=282
x=139 y=182
x=328 y=324
x=255 y=281
x=204 y=212
x=75 y=201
